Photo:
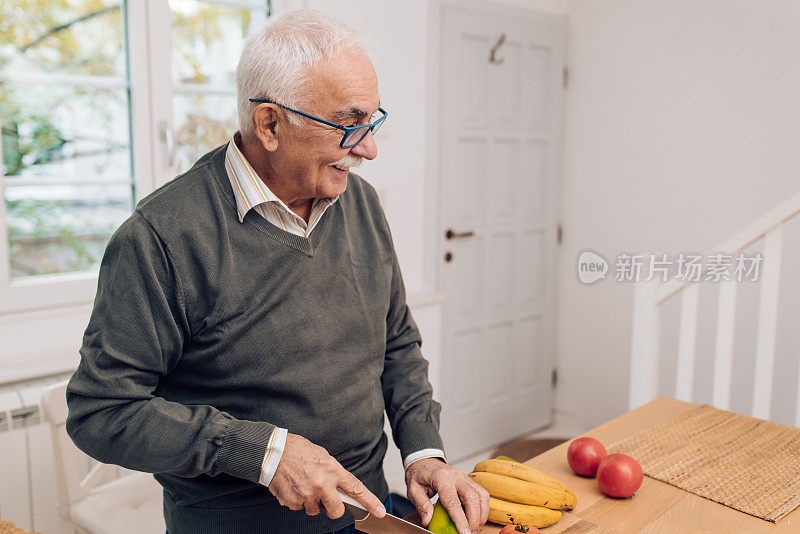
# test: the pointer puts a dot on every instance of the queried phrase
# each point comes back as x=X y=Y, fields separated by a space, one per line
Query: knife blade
x=370 y=524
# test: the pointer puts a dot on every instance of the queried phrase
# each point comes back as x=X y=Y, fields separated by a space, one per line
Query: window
x=64 y=101
x=207 y=39
x=94 y=116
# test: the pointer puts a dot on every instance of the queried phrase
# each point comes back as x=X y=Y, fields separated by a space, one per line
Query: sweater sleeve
x=408 y=395
x=136 y=335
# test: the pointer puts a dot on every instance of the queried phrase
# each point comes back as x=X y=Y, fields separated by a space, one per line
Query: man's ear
x=265 y=124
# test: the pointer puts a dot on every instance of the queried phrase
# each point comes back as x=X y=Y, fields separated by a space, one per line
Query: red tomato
x=512 y=529
x=584 y=455
x=619 y=475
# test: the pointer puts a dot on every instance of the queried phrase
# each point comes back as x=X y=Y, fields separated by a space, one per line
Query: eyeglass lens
x=353 y=137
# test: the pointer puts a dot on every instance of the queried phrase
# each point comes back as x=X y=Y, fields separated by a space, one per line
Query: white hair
x=277 y=59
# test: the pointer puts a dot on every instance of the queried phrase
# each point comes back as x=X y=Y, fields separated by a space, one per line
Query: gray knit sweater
x=207 y=333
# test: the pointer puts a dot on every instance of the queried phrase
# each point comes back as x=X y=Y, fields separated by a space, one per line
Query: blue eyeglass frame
x=372 y=127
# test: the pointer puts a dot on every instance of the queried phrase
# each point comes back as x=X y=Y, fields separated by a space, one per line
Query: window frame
x=68 y=289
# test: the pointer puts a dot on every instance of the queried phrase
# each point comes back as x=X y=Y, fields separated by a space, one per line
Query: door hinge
x=554 y=377
x=564 y=77
x=559 y=234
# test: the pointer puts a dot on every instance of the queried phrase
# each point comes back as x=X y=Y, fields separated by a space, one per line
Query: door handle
x=451 y=234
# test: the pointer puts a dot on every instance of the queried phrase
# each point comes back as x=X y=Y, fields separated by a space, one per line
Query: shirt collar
x=248 y=189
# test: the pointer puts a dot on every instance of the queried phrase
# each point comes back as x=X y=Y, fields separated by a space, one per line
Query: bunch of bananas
x=522 y=495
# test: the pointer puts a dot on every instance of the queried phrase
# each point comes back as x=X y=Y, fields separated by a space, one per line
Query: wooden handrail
x=738 y=242
x=650 y=295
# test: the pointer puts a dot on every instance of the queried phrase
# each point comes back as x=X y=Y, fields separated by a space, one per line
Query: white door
x=500 y=145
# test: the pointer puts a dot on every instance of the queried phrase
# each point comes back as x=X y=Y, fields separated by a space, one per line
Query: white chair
x=132 y=504
x=650 y=296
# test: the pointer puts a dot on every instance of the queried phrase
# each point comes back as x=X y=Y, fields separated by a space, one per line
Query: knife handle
x=347 y=499
x=353 y=506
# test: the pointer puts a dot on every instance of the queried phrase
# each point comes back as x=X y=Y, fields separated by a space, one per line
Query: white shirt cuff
x=424 y=453
x=275 y=445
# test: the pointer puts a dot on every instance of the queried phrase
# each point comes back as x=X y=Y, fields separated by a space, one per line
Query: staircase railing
x=649 y=296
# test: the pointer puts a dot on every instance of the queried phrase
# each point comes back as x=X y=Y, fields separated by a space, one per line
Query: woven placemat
x=745 y=463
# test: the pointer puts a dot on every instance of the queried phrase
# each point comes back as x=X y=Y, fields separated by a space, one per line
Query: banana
x=511 y=513
x=521 y=491
x=513 y=469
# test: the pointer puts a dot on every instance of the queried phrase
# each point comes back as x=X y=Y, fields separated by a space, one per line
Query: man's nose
x=366 y=149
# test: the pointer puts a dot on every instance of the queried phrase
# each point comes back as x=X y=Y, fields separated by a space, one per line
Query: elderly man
x=250 y=326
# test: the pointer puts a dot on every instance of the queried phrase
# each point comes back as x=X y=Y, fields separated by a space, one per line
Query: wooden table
x=657 y=507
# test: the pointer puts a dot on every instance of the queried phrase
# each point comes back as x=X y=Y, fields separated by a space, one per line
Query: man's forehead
x=346 y=86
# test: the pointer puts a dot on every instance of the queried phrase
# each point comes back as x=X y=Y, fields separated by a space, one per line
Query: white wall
x=681 y=127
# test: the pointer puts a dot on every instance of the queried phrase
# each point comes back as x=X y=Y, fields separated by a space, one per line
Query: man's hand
x=308 y=477
x=426 y=477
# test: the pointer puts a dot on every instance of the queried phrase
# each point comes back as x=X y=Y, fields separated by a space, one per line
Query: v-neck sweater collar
x=306 y=245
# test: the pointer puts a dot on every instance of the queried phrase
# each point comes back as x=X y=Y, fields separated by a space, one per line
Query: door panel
x=528 y=358
x=500 y=128
x=500 y=338
x=535 y=104
x=530 y=272
x=504 y=87
x=471 y=50
x=532 y=183
x=500 y=274
x=465 y=355
x=466 y=173
x=502 y=181
x=465 y=306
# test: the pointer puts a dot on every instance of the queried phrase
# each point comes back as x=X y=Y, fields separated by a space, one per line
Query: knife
x=370 y=524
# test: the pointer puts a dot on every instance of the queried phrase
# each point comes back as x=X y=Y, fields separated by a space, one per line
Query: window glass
x=207 y=39
x=203 y=121
x=74 y=36
x=67 y=178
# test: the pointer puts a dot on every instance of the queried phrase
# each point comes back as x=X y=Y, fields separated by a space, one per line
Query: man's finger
x=418 y=496
x=354 y=488
x=484 y=497
x=279 y=489
x=472 y=506
x=312 y=508
x=452 y=504
x=333 y=505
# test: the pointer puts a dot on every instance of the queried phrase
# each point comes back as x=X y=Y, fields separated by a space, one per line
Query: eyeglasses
x=352 y=134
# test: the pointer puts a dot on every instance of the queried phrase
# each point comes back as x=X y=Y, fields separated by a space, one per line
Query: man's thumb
x=419 y=498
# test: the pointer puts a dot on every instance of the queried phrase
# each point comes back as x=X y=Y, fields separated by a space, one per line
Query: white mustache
x=349 y=161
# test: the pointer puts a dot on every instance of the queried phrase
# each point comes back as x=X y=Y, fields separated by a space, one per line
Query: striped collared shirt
x=252 y=193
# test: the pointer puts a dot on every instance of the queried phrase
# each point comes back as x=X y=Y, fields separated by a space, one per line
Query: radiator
x=28 y=490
